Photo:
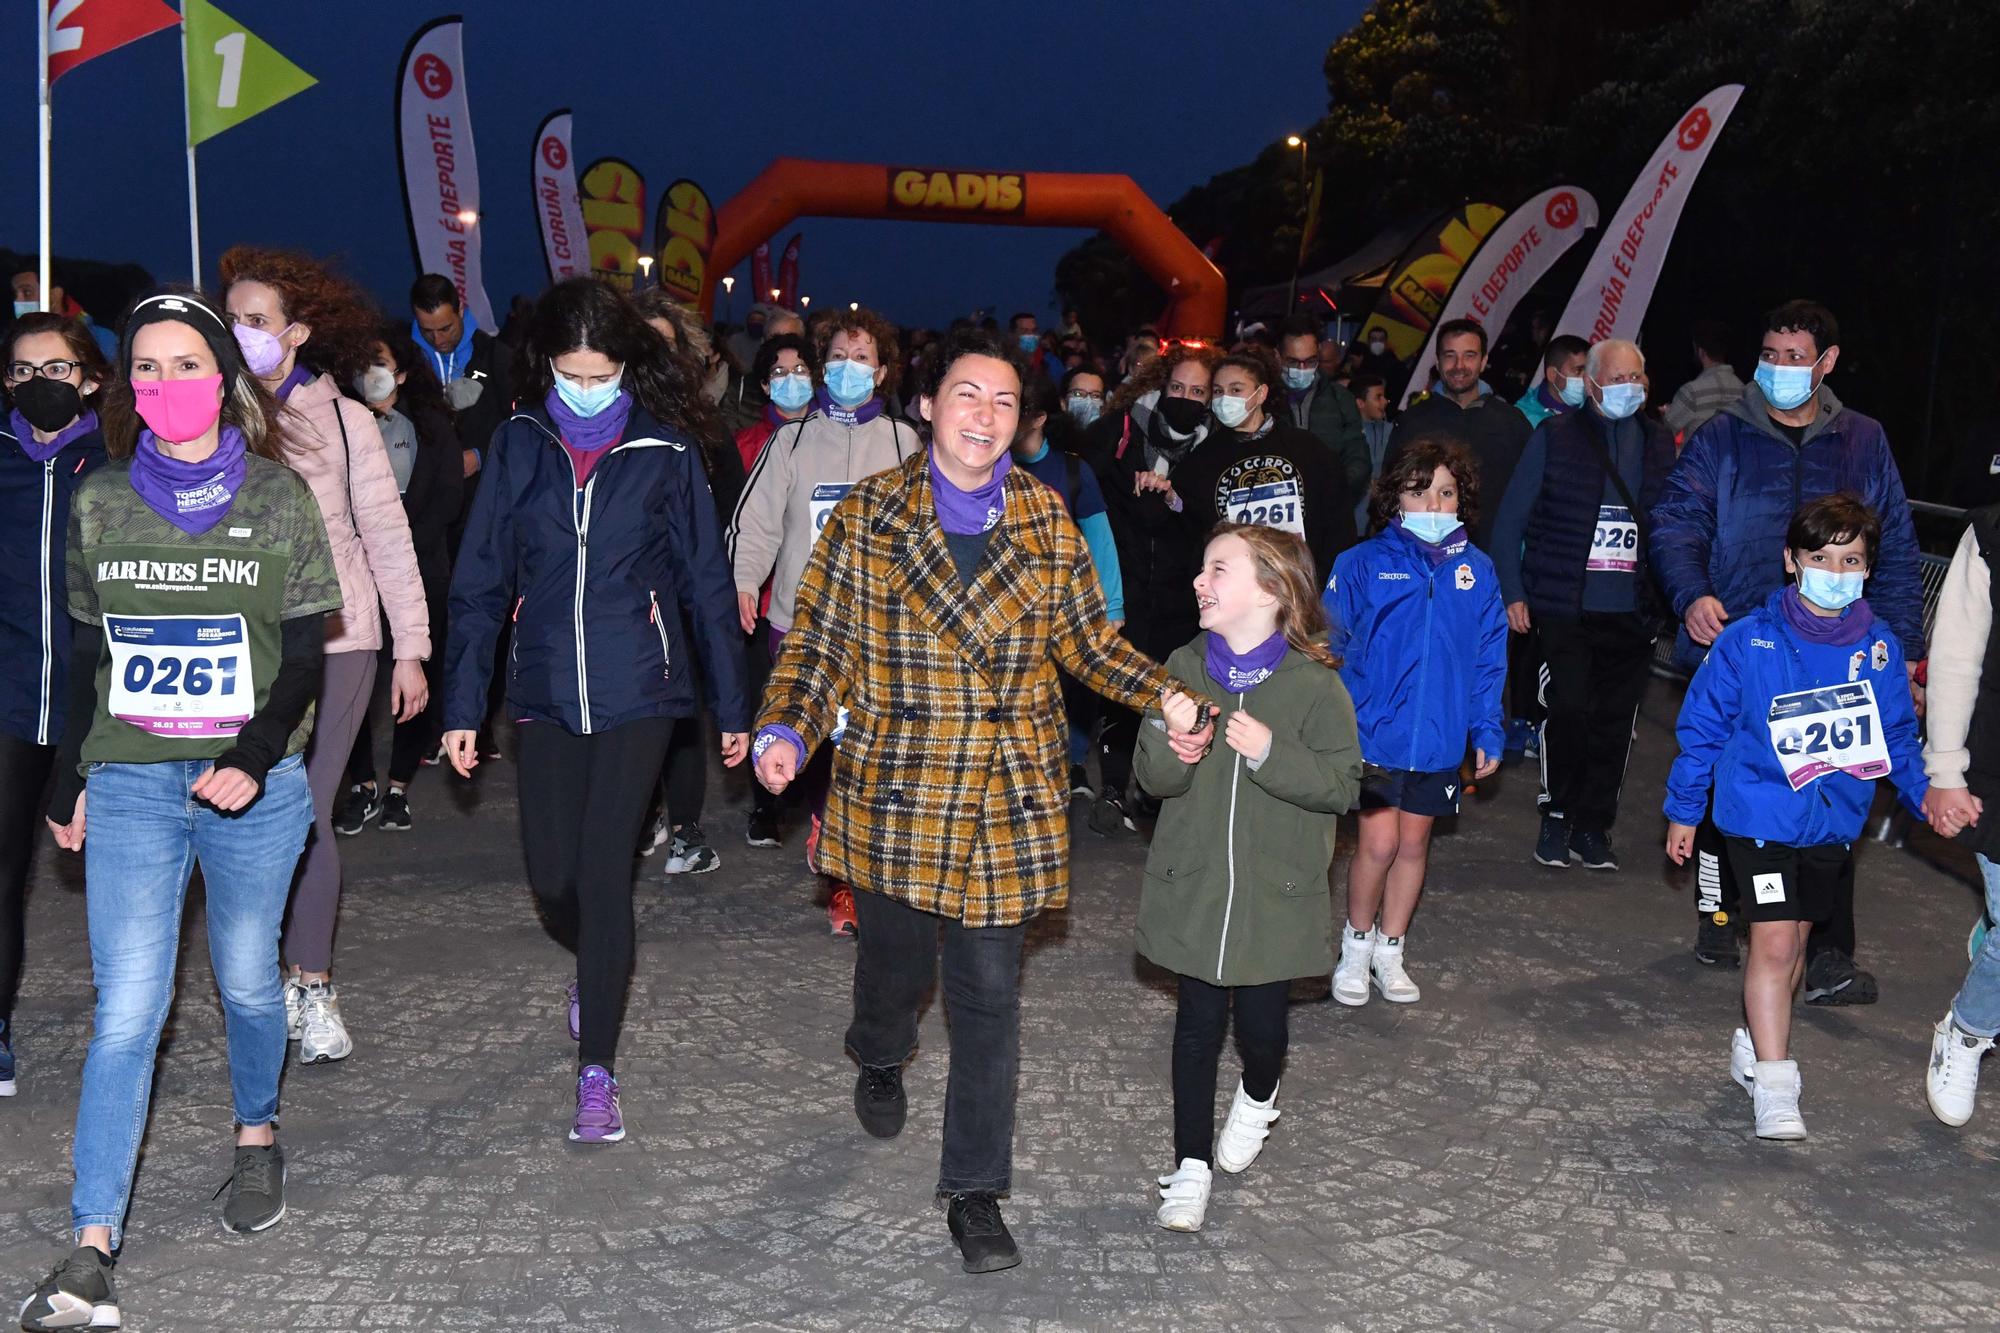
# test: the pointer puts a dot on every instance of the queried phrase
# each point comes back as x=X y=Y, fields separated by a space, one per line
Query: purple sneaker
x=575 y=1018
x=597 y=1119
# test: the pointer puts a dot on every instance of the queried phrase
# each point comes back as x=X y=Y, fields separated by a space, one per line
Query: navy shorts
x=1412 y=793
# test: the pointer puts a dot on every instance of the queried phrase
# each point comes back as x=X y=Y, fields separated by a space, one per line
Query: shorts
x=1779 y=883
x=1412 y=793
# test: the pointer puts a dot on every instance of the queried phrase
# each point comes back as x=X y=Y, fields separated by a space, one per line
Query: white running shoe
x=1952 y=1082
x=295 y=1002
x=1350 y=974
x=1385 y=964
x=1743 y=1059
x=1775 y=1098
x=1244 y=1132
x=322 y=1036
x=1184 y=1196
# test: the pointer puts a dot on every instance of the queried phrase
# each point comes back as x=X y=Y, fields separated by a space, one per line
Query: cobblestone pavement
x=1549 y=1140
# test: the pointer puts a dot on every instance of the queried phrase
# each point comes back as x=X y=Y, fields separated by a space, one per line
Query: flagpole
x=187 y=119
x=42 y=48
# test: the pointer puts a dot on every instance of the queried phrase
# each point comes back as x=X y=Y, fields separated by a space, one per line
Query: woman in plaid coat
x=936 y=607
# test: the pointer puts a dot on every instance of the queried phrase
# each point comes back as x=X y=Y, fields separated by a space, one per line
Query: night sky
x=1168 y=94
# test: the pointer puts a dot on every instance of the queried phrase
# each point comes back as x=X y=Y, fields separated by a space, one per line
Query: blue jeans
x=143 y=837
x=1977 y=1005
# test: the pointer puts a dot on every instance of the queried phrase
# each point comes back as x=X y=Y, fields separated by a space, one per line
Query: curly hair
x=583 y=314
x=691 y=340
x=1284 y=568
x=887 y=351
x=1412 y=470
x=342 y=318
x=1155 y=373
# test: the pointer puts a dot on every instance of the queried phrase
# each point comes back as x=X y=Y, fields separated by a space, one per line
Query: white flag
x=440 y=169
x=564 y=244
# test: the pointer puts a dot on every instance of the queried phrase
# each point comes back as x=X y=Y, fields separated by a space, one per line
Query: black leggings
x=1199 y=1025
x=24 y=781
x=583 y=800
x=684 y=785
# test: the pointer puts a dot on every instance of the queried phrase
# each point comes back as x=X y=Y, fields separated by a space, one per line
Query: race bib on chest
x=1615 y=545
x=1273 y=505
x=1834 y=729
x=824 y=497
x=181 y=676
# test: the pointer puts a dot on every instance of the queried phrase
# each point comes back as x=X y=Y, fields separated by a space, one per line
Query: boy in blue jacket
x=1797 y=709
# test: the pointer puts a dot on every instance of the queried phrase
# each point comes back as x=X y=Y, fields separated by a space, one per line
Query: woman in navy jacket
x=48 y=442
x=592 y=528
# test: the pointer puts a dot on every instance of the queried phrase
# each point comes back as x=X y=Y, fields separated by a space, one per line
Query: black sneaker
x=690 y=853
x=1552 y=844
x=78 y=1294
x=396 y=812
x=1832 y=978
x=357 y=807
x=880 y=1103
x=1715 y=940
x=256 y=1188
x=1079 y=783
x=762 y=828
x=1108 y=815
x=983 y=1239
x=1593 y=848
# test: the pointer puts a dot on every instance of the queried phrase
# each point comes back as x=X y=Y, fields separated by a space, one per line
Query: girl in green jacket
x=1236 y=898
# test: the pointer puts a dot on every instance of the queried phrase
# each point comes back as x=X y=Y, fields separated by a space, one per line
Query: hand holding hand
x=1951 y=810
x=1181 y=711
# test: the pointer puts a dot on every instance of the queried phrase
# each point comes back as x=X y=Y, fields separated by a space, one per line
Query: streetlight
x=645 y=269
x=805 y=303
x=1305 y=219
x=468 y=216
x=728 y=297
x=776 y=292
x=854 y=305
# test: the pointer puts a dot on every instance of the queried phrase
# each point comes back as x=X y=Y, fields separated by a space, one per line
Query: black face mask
x=1182 y=415
x=48 y=405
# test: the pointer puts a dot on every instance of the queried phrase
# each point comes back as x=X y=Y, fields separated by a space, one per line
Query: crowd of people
x=920 y=580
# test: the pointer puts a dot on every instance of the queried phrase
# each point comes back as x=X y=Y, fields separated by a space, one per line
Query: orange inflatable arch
x=791 y=188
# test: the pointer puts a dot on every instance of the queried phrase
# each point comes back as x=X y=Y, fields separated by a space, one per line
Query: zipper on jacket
x=581 y=513
x=48 y=646
x=1423 y=660
x=666 y=653
x=1229 y=902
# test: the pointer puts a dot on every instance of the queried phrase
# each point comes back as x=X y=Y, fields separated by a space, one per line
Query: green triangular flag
x=232 y=74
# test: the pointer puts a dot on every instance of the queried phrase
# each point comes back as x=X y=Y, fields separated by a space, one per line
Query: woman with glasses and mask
x=49 y=442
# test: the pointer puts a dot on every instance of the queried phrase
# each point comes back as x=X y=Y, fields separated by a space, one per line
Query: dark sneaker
x=256 y=1188
x=396 y=812
x=597 y=1117
x=1079 y=783
x=1514 y=742
x=488 y=746
x=6 y=1058
x=359 y=805
x=1593 y=848
x=1832 y=978
x=436 y=757
x=690 y=853
x=1108 y=815
x=1715 y=940
x=983 y=1239
x=762 y=828
x=78 y=1294
x=880 y=1103
x=1552 y=846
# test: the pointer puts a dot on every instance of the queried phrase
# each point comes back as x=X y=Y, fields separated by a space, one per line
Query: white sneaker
x=1385 y=964
x=1952 y=1081
x=1775 y=1097
x=1743 y=1059
x=322 y=1036
x=1184 y=1196
x=295 y=1003
x=1244 y=1132
x=1350 y=974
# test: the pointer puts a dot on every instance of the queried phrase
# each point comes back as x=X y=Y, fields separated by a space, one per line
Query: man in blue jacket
x=1717 y=546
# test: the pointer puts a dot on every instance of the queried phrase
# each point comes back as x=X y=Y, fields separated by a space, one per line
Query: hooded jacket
x=480 y=359
x=1719 y=528
x=34 y=602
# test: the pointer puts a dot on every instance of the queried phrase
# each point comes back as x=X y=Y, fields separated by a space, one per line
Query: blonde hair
x=1284 y=569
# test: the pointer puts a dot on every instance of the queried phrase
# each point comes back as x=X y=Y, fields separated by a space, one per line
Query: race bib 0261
x=1834 y=729
x=1275 y=504
x=184 y=676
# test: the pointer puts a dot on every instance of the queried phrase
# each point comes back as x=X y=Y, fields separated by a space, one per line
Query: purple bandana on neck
x=1238 y=672
x=42 y=453
x=590 y=434
x=847 y=416
x=1850 y=626
x=191 y=496
x=967 y=512
x=300 y=375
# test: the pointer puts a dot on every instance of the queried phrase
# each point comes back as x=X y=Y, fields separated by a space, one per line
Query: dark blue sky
x=1168 y=94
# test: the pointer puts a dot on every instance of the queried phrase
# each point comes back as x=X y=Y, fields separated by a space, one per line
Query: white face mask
x=377 y=384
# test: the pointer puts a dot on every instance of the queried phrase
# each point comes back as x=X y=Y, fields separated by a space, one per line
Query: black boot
x=880 y=1103
x=1715 y=942
x=983 y=1239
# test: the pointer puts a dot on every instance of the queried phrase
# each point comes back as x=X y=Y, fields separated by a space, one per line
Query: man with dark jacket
x=1318 y=406
x=1572 y=566
x=1488 y=425
x=1717 y=544
x=476 y=369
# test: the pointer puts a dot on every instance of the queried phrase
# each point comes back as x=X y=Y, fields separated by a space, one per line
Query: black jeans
x=1199 y=1025
x=24 y=785
x=895 y=964
x=1715 y=890
x=684 y=784
x=583 y=800
x=757 y=665
x=1593 y=677
x=1522 y=696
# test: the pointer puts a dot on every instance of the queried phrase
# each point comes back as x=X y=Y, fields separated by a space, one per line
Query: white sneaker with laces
x=322 y=1036
x=1951 y=1084
x=1743 y=1059
x=1350 y=974
x=295 y=1003
x=1244 y=1132
x=1385 y=964
x=1775 y=1098
x=1184 y=1196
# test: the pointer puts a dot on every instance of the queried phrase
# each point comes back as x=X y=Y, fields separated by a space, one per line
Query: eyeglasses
x=801 y=371
x=20 y=372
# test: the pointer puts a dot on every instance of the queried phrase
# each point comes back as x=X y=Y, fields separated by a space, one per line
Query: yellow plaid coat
x=949 y=788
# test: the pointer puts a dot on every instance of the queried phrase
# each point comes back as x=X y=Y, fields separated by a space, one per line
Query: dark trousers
x=410 y=742
x=895 y=965
x=1593 y=676
x=1523 y=698
x=583 y=800
x=24 y=784
x=1715 y=891
x=684 y=783
x=1199 y=1025
x=757 y=662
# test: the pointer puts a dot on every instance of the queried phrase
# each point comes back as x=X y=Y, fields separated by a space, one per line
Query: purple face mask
x=263 y=352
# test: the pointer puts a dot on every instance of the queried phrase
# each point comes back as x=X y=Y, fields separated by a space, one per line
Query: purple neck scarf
x=300 y=375
x=1850 y=626
x=1238 y=672
x=42 y=453
x=589 y=434
x=967 y=512
x=191 y=496
x=847 y=416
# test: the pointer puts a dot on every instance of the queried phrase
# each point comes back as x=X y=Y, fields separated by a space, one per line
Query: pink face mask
x=179 y=410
